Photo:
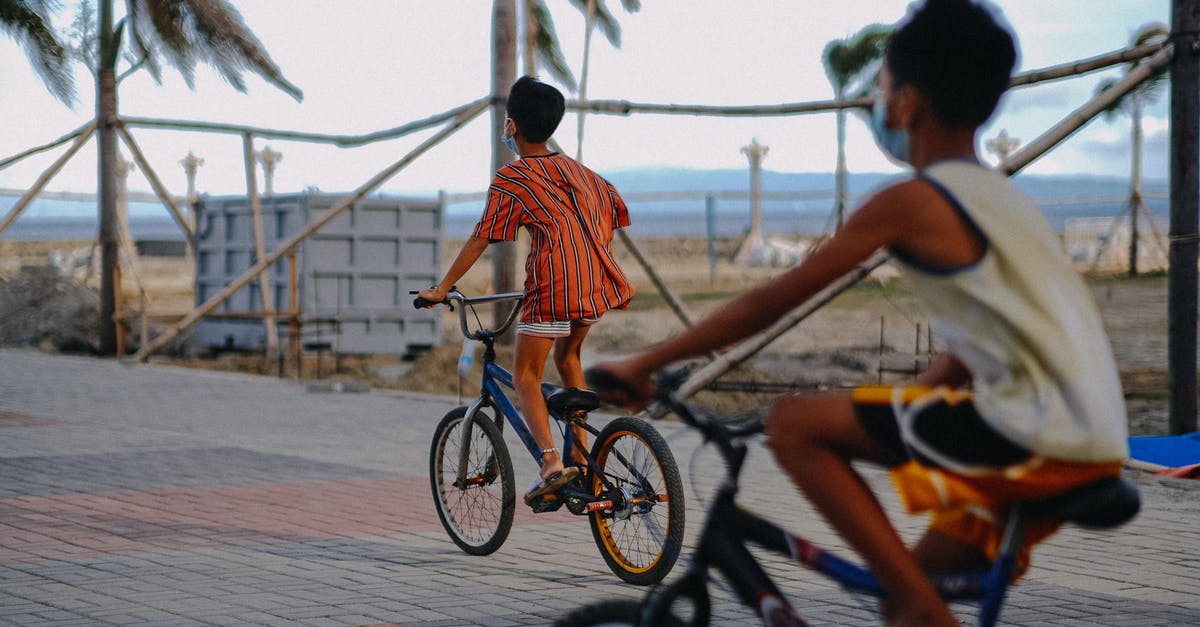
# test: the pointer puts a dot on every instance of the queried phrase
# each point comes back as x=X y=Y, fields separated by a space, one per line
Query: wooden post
x=46 y=176
x=1185 y=184
x=260 y=246
x=294 y=310
x=320 y=221
x=156 y=183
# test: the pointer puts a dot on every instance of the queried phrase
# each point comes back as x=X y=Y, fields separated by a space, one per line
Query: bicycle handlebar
x=667 y=384
x=455 y=296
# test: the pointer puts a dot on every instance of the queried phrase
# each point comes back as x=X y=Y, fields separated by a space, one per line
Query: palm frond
x=1149 y=90
x=208 y=31
x=27 y=22
x=548 y=51
x=604 y=19
x=855 y=58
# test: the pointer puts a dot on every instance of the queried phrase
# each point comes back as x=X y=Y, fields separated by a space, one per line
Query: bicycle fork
x=464 y=450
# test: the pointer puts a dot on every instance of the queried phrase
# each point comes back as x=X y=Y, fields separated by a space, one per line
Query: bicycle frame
x=495 y=379
x=729 y=528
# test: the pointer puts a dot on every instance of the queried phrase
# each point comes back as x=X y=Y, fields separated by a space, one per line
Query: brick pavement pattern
x=154 y=495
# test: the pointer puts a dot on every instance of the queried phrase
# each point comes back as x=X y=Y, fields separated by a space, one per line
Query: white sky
x=375 y=64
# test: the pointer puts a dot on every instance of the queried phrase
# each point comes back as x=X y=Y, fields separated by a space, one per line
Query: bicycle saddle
x=560 y=400
x=1101 y=504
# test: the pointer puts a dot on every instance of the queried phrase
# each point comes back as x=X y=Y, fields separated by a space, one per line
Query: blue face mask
x=509 y=141
x=894 y=142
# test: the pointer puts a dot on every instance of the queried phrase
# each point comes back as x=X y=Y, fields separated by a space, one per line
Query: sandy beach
x=871 y=332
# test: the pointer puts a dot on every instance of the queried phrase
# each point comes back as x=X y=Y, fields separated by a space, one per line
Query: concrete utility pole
x=1002 y=145
x=191 y=165
x=1185 y=198
x=755 y=153
x=269 y=158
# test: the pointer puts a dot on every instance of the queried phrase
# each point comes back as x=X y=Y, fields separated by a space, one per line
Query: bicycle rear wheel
x=617 y=612
x=640 y=534
x=477 y=512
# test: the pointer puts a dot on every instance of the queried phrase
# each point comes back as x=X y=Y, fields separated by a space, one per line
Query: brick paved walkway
x=147 y=494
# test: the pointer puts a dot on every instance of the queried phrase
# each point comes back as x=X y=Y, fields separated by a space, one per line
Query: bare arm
x=868 y=230
x=466 y=258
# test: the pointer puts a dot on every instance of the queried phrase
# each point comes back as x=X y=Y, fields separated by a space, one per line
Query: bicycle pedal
x=547 y=503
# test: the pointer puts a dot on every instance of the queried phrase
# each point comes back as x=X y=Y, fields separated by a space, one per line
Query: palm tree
x=28 y=21
x=183 y=32
x=542 y=47
x=851 y=66
x=1134 y=103
x=596 y=15
x=504 y=70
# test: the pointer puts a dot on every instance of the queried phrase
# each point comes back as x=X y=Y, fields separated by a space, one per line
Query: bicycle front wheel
x=476 y=511
x=617 y=612
x=641 y=532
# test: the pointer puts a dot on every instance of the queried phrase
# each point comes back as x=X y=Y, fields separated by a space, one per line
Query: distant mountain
x=685 y=179
x=805 y=205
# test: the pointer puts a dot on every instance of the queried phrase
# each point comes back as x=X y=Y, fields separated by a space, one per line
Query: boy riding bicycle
x=572 y=276
x=1025 y=402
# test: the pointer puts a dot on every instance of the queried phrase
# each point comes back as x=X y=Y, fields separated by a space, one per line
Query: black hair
x=957 y=54
x=536 y=107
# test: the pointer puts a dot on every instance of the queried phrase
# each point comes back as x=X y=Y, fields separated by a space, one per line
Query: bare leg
x=530 y=360
x=939 y=553
x=567 y=352
x=814 y=437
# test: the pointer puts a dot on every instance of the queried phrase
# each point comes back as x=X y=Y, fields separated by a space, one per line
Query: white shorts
x=555 y=329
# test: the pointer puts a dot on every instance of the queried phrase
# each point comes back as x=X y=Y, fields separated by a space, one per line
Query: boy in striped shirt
x=571 y=274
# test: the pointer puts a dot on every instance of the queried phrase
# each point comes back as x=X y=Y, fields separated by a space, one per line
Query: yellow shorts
x=945 y=460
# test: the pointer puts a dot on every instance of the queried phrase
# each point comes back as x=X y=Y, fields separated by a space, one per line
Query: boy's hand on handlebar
x=619 y=383
x=435 y=295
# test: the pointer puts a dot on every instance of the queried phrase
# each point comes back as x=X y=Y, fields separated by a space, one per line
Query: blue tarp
x=1171 y=451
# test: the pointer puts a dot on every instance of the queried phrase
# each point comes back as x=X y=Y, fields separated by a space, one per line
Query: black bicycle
x=729 y=528
x=631 y=492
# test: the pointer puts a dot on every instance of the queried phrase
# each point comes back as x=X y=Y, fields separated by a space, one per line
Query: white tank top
x=1024 y=322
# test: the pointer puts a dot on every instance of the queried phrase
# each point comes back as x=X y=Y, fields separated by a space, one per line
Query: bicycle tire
x=614 y=612
x=478 y=515
x=641 y=542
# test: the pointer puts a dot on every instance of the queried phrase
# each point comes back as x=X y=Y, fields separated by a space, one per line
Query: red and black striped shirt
x=571 y=213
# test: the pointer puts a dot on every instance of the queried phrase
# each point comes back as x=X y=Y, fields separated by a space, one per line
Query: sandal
x=551 y=483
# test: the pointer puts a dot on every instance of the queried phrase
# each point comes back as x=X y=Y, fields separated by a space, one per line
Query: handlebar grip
x=421 y=303
x=603 y=381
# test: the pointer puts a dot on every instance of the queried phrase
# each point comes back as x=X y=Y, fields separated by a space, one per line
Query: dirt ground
x=869 y=333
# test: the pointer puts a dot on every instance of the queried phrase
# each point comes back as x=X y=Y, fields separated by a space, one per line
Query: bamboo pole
x=1084 y=66
x=159 y=189
x=260 y=245
x=294 y=310
x=740 y=353
x=344 y=141
x=747 y=349
x=1066 y=70
x=86 y=129
x=1084 y=114
x=212 y=303
x=672 y=301
x=50 y=172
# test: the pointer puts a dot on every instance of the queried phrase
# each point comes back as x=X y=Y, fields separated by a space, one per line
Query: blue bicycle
x=630 y=490
x=729 y=529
